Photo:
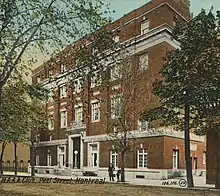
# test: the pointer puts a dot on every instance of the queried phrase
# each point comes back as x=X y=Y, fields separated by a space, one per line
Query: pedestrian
x=118 y=174
x=110 y=172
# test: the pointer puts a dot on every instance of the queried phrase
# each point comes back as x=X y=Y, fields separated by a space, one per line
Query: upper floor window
x=116 y=38
x=63 y=91
x=95 y=79
x=116 y=106
x=38 y=79
x=115 y=72
x=144 y=27
x=142 y=158
x=62 y=68
x=77 y=85
x=63 y=119
x=78 y=113
x=142 y=125
x=51 y=122
x=50 y=72
x=144 y=61
x=95 y=111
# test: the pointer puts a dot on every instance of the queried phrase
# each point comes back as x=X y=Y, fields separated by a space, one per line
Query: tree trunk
x=217 y=154
x=187 y=148
x=15 y=158
x=32 y=158
x=1 y=156
x=122 y=166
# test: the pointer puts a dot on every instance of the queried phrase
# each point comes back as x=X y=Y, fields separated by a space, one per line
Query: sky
x=122 y=7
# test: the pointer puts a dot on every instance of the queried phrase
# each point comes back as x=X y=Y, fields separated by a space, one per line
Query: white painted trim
x=89 y=154
x=63 y=103
x=64 y=153
x=147 y=134
x=51 y=143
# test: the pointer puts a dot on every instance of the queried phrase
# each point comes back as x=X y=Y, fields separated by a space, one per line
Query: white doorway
x=61 y=156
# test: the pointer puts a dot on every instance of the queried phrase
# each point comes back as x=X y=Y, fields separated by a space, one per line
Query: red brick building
x=78 y=140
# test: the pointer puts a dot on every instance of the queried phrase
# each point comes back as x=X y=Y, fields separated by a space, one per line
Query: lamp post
x=75 y=152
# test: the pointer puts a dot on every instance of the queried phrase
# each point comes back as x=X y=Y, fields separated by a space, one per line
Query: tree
x=27 y=26
x=19 y=115
x=13 y=117
x=127 y=104
x=189 y=83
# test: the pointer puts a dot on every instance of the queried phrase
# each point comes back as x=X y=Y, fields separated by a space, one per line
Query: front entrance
x=76 y=151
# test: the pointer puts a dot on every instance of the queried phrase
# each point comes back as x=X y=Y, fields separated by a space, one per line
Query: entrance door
x=76 y=157
x=195 y=164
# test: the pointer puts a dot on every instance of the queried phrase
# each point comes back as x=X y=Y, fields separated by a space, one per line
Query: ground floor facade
x=157 y=155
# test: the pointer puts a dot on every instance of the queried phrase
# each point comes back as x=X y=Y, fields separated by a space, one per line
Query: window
x=63 y=91
x=175 y=20
x=8 y=164
x=116 y=38
x=204 y=158
x=115 y=72
x=144 y=27
x=93 y=155
x=21 y=164
x=51 y=122
x=62 y=68
x=77 y=85
x=78 y=114
x=49 y=159
x=114 y=158
x=95 y=111
x=63 y=119
x=37 y=160
x=61 y=156
x=175 y=159
x=144 y=62
x=50 y=73
x=50 y=96
x=38 y=79
x=116 y=106
x=142 y=158
x=95 y=79
x=142 y=125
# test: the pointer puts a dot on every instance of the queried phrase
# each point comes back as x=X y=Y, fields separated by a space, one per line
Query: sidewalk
x=199 y=182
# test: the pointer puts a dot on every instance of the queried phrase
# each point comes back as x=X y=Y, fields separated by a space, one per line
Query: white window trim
x=49 y=159
x=61 y=153
x=176 y=155
x=37 y=161
x=204 y=157
x=116 y=98
x=50 y=125
x=63 y=91
x=78 y=87
x=96 y=79
x=76 y=107
x=146 y=29
x=115 y=72
x=62 y=124
x=95 y=102
x=138 y=159
x=140 y=125
x=115 y=154
x=142 y=58
x=90 y=152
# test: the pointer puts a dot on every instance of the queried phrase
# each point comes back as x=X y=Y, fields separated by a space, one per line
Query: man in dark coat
x=110 y=172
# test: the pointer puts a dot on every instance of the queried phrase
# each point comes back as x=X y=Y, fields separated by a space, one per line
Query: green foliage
x=191 y=75
x=48 y=26
x=19 y=114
